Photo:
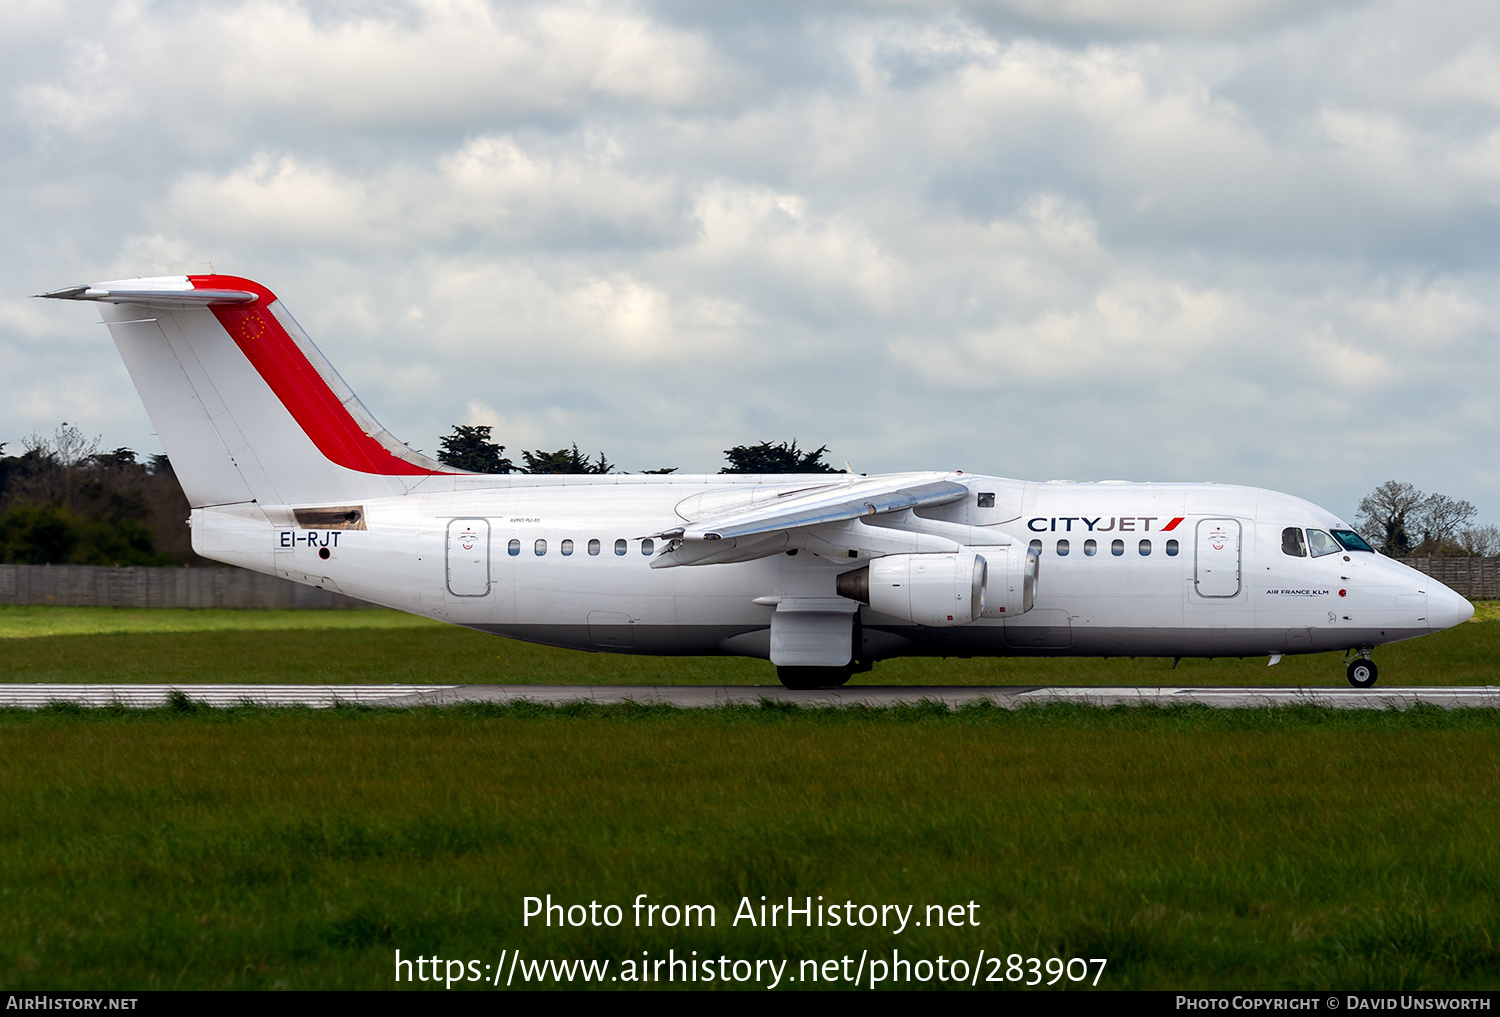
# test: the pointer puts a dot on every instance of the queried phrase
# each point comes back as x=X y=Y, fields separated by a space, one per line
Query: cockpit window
x=1292 y=542
x=1321 y=543
x=1352 y=541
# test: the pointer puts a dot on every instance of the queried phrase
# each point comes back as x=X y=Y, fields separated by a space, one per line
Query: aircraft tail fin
x=245 y=405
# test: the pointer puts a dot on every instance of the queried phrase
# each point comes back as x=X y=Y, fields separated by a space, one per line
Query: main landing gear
x=822 y=677
x=814 y=677
x=802 y=677
x=1362 y=670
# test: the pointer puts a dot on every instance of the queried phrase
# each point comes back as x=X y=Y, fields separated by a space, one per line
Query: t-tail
x=247 y=408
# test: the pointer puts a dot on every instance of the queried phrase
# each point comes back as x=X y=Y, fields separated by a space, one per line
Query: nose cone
x=1446 y=609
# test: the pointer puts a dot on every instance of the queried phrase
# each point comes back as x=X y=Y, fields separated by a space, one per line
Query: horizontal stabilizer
x=113 y=293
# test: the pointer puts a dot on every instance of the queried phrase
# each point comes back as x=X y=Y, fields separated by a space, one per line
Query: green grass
x=52 y=644
x=41 y=622
x=1194 y=848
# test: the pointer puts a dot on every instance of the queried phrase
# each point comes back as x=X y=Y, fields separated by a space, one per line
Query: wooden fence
x=93 y=586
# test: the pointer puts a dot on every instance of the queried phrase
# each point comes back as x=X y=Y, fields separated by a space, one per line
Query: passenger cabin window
x=986 y=499
x=1091 y=547
x=648 y=546
x=1321 y=543
x=594 y=546
x=1171 y=549
x=1292 y=542
x=1036 y=546
x=1062 y=548
x=620 y=546
x=1144 y=548
x=1117 y=548
x=1352 y=541
x=541 y=548
x=514 y=547
x=567 y=547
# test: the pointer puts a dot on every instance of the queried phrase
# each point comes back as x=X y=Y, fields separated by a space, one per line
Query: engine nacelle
x=1011 y=586
x=946 y=589
x=929 y=589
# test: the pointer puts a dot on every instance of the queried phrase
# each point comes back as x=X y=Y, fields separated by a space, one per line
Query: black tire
x=1362 y=673
x=813 y=677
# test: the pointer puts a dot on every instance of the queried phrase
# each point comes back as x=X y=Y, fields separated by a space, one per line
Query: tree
x=68 y=445
x=1384 y=515
x=47 y=468
x=37 y=534
x=564 y=460
x=1404 y=520
x=64 y=501
x=1440 y=519
x=781 y=457
x=1480 y=541
x=470 y=448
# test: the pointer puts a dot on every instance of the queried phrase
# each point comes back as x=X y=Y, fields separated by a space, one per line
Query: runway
x=709 y=696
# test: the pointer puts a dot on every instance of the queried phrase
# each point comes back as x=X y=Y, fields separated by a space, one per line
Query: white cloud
x=1468 y=77
x=86 y=98
x=282 y=198
x=490 y=188
x=1168 y=16
x=518 y=431
x=1246 y=241
x=404 y=63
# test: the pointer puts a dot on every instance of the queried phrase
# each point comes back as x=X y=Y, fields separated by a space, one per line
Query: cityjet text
x=1099 y=524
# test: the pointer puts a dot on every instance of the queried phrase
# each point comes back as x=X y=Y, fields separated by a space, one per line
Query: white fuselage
x=1124 y=568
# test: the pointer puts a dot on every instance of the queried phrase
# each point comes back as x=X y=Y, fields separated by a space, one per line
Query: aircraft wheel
x=1362 y=673
x=813 y=677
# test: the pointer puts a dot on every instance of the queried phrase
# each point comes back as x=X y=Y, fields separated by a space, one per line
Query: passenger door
x=1216 y=568
x=468 y=558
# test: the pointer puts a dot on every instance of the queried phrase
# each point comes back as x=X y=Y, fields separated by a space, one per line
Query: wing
x=738 y=533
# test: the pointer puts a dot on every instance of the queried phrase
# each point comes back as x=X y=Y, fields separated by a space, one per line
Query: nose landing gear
x=1362 y=671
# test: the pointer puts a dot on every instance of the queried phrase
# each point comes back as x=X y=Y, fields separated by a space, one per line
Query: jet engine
x=1011 y=586
x=946 y=589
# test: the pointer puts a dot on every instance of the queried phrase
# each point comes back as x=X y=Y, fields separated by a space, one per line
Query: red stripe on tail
x=297 y=382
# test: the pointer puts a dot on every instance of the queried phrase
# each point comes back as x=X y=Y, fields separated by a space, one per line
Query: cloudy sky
x=1252 y=241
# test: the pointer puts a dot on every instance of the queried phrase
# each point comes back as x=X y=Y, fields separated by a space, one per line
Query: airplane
x=823 y=575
